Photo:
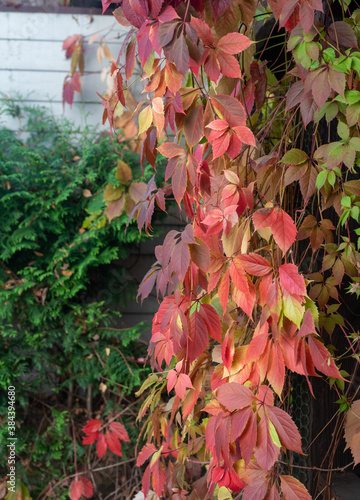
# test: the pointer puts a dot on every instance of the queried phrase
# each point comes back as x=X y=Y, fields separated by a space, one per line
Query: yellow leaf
x=224 y=493
x=113 y=193
x=149 y=63
x=274 y=435
x=107 y=52
x=145 y=119
x=123 y=172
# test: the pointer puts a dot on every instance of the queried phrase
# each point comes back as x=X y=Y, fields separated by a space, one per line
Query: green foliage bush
x=60 y=286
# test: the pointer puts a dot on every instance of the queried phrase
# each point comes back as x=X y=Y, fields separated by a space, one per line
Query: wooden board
x=51 y=26
x=33 y=65
x=40 y=55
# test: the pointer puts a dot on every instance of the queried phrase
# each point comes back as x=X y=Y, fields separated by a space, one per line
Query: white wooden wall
x=33 y=64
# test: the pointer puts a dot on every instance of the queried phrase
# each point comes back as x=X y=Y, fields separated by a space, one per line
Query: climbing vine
x=262 y=160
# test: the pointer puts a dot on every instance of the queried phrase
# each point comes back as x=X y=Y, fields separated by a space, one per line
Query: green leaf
x=355 y=143
x=152 y=379
x=343 y=131
x=294 y=157
x=331 y=178
x=329 y=55
x=274 y=435
x=346 y=202
x=321 y=179
x=224 y=494
x=331 y=111
x=352 y=96
x=355 y=212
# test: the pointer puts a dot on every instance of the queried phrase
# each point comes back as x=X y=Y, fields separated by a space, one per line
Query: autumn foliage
x=260 y=188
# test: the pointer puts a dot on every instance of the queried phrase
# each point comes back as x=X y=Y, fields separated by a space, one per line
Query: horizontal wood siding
x=33 y=64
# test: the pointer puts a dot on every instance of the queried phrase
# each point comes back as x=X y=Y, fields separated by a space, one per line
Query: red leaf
x=170 y=149
x=291 y=280
x=68 y=92
x=223 y=290
x=229 y=109
x=183 y=383
x=284 y=231
x=229 y=65
x=171 y=380
x=220 y=125
x=198 y=336
x=256 y=347
x=227 y=350
x=286 y=429
x=238 y=275
x=321 y=89
x=119 y=430
x=180 y=258
x=245 y=135
x=254 y=264
x=292 y=489
x=220 y=145
x=194 y=125
x=168 y=14
x=246 y=298
x=113 y=443
x=239 y=421
x=307 y=326
x=178 y=182
x=212 y=321
x=92 y=425
x=235 y=396
x=87 y=487
x=322 y=358
x=181 y=54
x=101 y=446
x=203 y=31
x=146 y=452
x=264 y=217
x=294 y=95
x=308 y=183
x=75 y=490
x=158 y=478
x=130 y=58
x=344 y=33
x=266 y=451
x=248 y=439
x=233 y=43
x=146 y=481
x=219 y=7
x=276 y=369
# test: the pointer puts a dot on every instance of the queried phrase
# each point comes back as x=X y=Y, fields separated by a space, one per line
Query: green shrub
x=58 y=319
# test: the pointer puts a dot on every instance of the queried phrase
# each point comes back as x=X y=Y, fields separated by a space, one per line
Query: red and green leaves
x=235 y=307
x=154 y=472
x=259 y=427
